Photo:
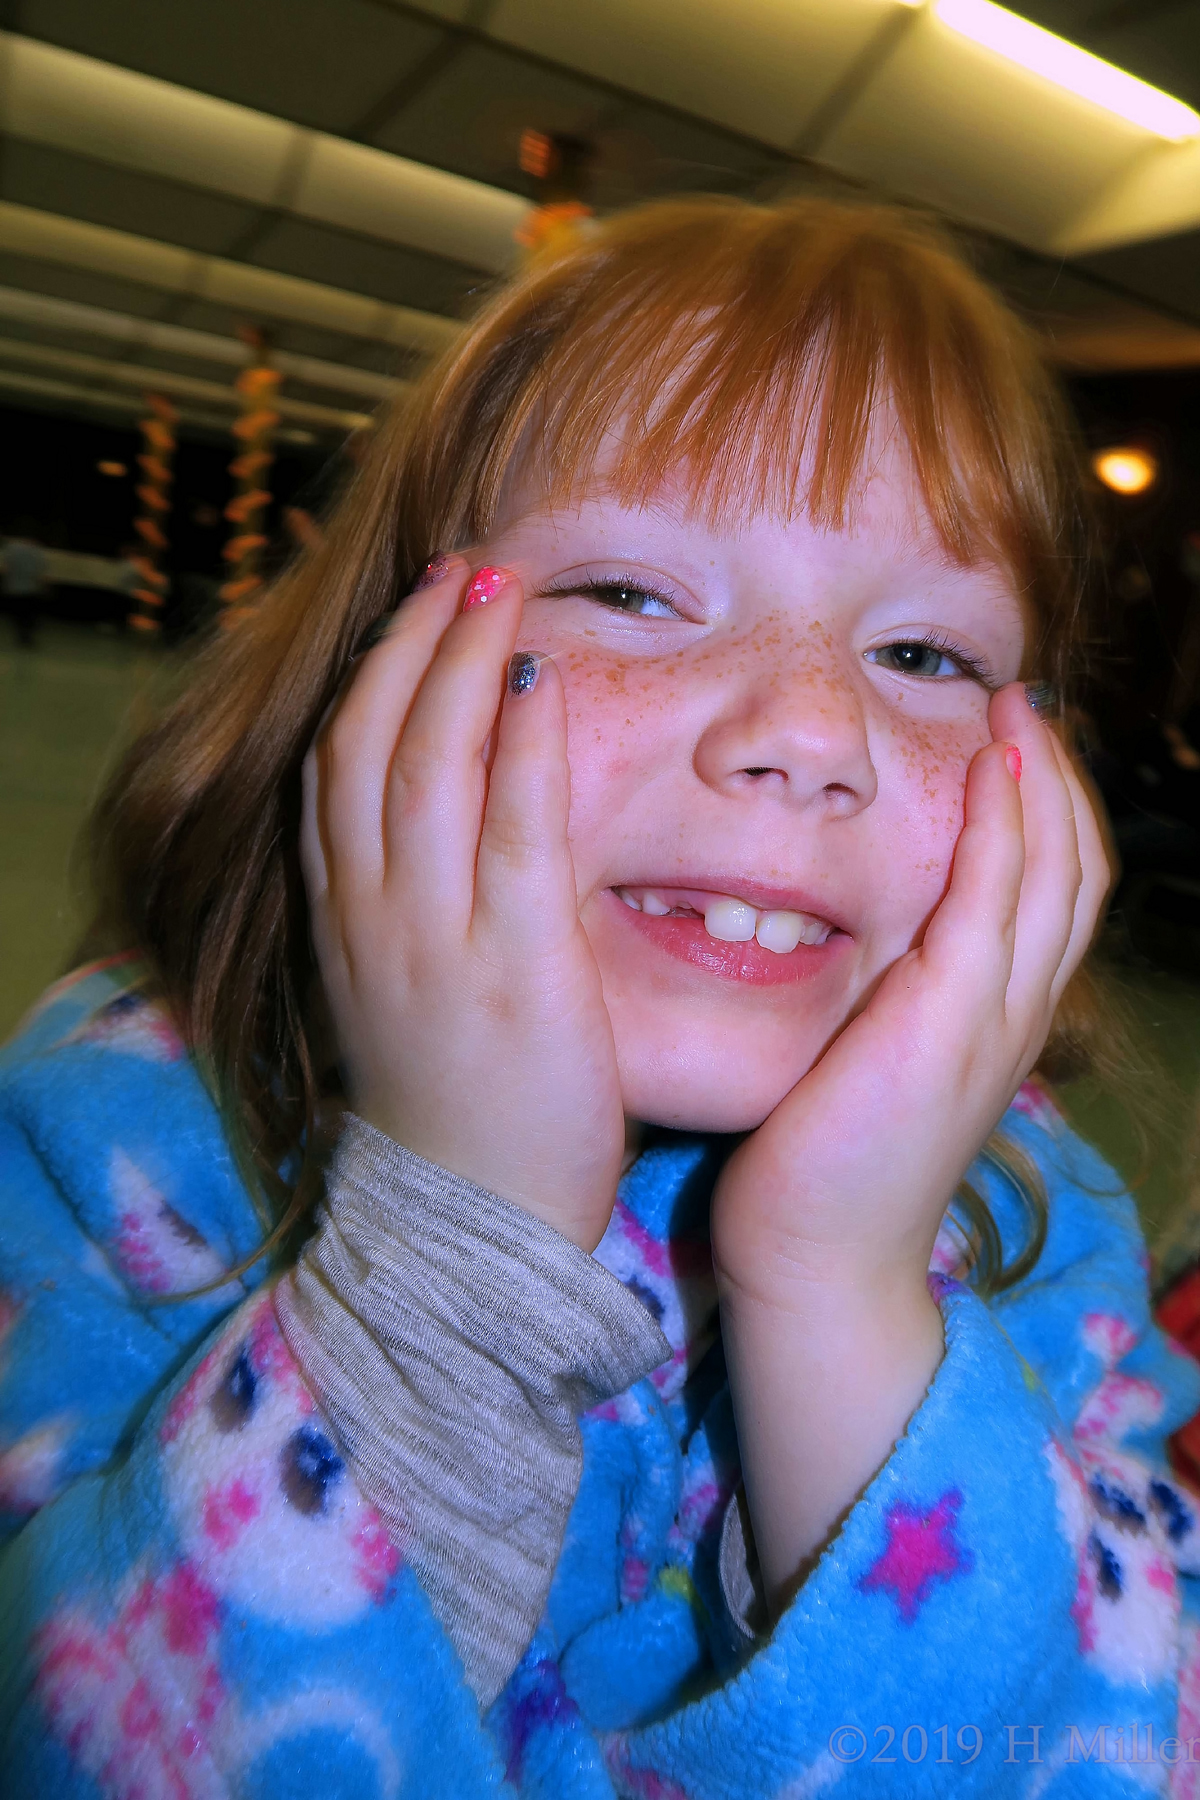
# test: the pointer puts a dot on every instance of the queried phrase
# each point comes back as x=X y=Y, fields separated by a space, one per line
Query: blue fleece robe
x=197 y=1601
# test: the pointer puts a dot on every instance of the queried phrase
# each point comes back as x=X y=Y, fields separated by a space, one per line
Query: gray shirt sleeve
x=741 y=1583
x=452 y=1340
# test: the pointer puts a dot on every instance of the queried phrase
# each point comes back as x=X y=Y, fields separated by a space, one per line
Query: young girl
x=678 y=892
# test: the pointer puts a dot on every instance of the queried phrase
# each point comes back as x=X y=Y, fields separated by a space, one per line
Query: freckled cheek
x=615 y=714
x=616 y=745
x=928 y=782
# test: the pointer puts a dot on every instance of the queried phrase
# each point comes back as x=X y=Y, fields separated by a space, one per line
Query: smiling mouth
x=730 y=920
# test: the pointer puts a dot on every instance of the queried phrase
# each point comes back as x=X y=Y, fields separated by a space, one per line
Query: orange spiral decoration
x=254 y=435
x=154 y=496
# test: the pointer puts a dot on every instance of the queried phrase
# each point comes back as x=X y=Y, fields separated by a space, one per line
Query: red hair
x=751 y=350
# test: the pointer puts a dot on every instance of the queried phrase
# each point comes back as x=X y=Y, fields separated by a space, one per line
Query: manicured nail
x=433 y=571
x=523 y=671
x=1012 y=757
x=484 y=587
x=1041 y=697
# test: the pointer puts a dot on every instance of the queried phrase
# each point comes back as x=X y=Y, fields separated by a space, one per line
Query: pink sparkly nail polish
x=431 y=573
x=485 y=585
x=1012 y=757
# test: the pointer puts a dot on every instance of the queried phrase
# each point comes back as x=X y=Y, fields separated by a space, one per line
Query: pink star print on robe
x=921 y=1549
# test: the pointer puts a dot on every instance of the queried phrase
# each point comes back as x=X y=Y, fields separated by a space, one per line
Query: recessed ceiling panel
x=1158 y=40
x=645 y=153
x=964 y=131
x=1167 y=270
x=385 y=271
x=454 y=12
x=355 y=187
x=1162 y=47
x=55 y=181
x=760 y=67
x=471 y=116
x=321 y=62
x=66 y=283
x=331 y=346
x=225 y=321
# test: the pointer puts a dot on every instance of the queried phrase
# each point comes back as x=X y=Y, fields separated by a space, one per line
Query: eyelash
x=973 y=667
x=594 y=588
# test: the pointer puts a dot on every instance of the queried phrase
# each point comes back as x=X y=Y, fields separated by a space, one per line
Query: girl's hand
x=465 y=996
x=852 y=1172
x=824 y=1219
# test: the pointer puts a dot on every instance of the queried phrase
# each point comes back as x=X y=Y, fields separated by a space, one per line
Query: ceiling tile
x=201 y=315
x=55 y=181
x=645 y=152
x=453 y=11
x=1157 y=40
x=759 y=68
x=321 y=62
x=1070 y=18
x=1166 y=270
x=385 y=271
x=66 y=283
x=1014 y=155
x=329 y=346
x=1162 y=45
x=471 y=115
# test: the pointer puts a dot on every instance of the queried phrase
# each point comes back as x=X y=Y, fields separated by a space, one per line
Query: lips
x=729 y=918
x=748 y=936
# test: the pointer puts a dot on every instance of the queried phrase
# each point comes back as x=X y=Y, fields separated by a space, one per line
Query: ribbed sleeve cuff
x=453 y=1340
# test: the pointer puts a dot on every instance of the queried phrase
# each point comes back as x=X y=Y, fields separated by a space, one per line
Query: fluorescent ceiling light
x=1070 y=67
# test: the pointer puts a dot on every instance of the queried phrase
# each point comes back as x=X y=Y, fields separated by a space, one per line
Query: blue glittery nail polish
x=523 y=672
x=1041 y=697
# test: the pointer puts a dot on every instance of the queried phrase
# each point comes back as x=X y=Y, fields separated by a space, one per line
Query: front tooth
x=730 y=920
x=780 y=931
x=656 y=907
x=627 y=897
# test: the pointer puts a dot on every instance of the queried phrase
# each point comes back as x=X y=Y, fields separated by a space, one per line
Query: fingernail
x=1012 y=757
x=523 y=671
x=1041 y=697
x=433 y=571
x=484 y=587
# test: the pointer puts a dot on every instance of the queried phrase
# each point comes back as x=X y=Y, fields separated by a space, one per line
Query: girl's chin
x=704 y=1087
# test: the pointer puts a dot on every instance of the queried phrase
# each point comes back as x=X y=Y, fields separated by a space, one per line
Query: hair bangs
x=757 y=358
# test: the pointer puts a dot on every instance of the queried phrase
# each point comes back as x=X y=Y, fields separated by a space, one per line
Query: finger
x=438 y=781
x=1053 y=870
x=314 y=853
x=355 y=749
x=525 y=883
x=313 y=865
x=971 y=937
x=1096 y=872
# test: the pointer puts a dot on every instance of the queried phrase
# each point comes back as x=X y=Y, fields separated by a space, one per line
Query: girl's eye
x=627 y=597
x=929 y=661
x=631 y=597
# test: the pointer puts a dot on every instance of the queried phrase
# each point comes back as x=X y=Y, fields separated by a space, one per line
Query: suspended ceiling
x=345 y=171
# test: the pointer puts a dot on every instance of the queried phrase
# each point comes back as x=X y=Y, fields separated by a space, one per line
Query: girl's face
x=779 y=717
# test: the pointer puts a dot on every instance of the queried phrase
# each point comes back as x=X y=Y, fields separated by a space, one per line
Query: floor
x=67 y=706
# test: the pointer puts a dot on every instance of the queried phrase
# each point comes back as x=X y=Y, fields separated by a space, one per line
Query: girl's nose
x=805 y=738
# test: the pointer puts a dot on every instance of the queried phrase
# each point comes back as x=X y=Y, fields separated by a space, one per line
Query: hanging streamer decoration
x=154 y=493
x=561 y=168
x=254 y=430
